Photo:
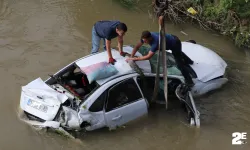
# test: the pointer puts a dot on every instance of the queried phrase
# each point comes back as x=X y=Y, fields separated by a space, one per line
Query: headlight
x=37 y=105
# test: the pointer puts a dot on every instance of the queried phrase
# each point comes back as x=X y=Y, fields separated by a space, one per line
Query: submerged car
x=67 y=101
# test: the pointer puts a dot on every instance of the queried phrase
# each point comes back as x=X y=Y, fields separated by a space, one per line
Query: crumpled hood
x=40 y=100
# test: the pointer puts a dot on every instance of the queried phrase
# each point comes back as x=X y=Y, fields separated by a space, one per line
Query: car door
x=193 y=113
x=124 y=103
x=95 y=116
x=195 y=117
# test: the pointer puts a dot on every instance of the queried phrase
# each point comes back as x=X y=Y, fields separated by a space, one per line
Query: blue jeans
x=96 y=42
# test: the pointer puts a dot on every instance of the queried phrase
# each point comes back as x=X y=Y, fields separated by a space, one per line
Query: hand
x=161 y=20
x=112 y=61
x=130 y=58
x=124 y=54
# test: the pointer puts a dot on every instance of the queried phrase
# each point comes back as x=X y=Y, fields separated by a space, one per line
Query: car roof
x=121 y=65
x=207 y=64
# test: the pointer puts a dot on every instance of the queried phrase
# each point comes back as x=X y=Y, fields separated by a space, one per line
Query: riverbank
x=228 y=17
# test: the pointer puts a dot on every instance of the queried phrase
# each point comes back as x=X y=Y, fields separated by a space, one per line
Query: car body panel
x=37 y=95
x=204 y=58
x=121 y=65
x=207 y=65
x=127 y=113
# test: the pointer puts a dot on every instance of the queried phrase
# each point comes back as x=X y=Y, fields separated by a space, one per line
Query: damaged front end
x=43 y=107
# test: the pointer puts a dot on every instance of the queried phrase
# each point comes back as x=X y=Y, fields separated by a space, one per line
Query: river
x=38 y=37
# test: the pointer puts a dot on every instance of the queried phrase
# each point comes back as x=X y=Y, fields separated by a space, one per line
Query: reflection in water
x=39 y=37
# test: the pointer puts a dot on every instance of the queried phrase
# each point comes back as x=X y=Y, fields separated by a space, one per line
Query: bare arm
x=120 y=43
x=161 y=19
x=148 y=56
x=108 y=43
x=136 y=48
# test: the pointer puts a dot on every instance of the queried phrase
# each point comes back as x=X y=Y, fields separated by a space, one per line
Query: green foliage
x=232 y=14
x=213 y=13
x=227 y=4
x=242 y=37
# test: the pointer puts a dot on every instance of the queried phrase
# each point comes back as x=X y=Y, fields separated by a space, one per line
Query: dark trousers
x=182 y=60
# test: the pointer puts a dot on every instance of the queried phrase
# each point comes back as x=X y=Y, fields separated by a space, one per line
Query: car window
x=122 y=94
x=170 y=59
x=98 y=104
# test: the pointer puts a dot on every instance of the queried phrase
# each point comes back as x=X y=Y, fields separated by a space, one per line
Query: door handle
x=116 y=118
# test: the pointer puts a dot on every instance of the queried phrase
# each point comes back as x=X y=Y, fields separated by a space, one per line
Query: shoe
x=191 y=63
x=181 y=92
x=185 y=87
x=190 y=85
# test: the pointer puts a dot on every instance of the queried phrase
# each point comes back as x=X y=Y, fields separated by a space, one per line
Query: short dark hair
x=146 y=34
x=122 y=26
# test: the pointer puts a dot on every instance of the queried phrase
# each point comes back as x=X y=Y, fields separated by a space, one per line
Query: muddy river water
x=38 y=37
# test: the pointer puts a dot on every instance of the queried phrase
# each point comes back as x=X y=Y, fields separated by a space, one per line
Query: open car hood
x=38 y=99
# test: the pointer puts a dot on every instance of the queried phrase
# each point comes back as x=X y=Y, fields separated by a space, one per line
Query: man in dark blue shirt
x=107 y=30
x=172 y=43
